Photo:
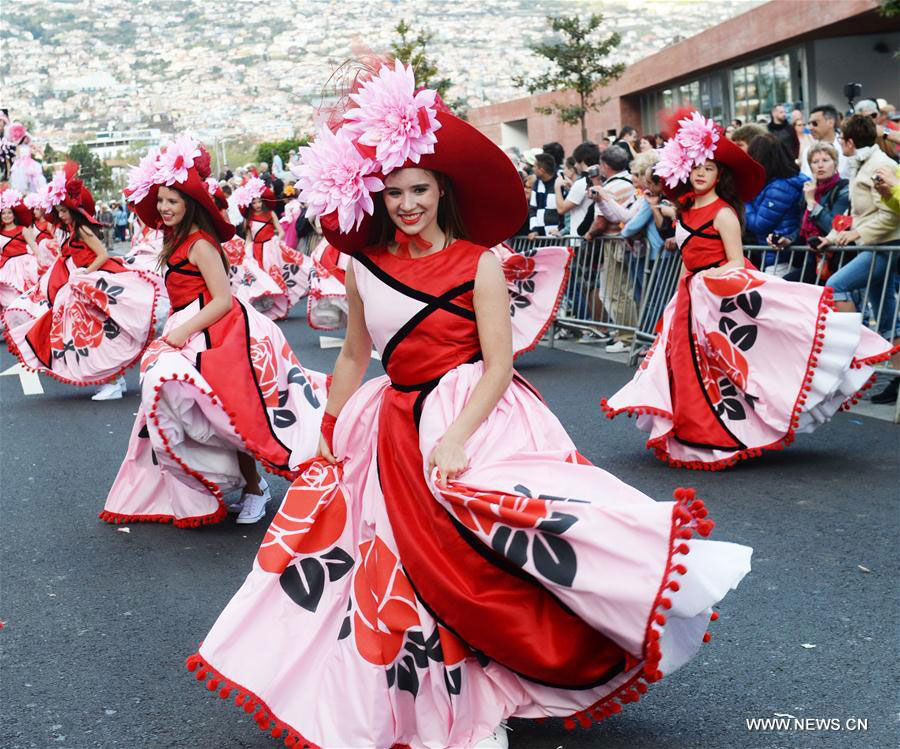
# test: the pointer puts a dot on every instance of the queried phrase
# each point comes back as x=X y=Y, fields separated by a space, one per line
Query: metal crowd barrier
x=613 y=290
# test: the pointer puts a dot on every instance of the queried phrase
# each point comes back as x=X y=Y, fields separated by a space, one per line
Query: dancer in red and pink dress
x=18 y=252
x=47 y=238
x=221 y=388
x=265 y=245
x=89 y=318
x=451 y=560
x=744 y=360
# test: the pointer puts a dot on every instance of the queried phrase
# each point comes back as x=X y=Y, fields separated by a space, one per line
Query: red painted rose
x=726 y=357
x=479 y=511
x=732 y=283
x=262 y=356
x=56 y=330
x=386 y=604
x=91 y=295
x=87 y=328
x=312 y=518
x=518 y=268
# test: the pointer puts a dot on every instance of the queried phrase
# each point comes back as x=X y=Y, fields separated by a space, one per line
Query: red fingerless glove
x=328 y=422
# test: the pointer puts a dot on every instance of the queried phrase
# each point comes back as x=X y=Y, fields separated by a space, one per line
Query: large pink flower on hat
x=54 y=193
x=212 y=184
x=255 y=187
x=16 y=132
x=335 y=176
x=698 y=136
x=143 y=176
x=391 y=117
x=175 y=161
x=9 y=198
x=675 y=163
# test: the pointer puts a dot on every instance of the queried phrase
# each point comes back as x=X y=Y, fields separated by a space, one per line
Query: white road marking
x=31 y=381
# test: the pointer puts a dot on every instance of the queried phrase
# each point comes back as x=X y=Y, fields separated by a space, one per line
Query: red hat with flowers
x=248 y=192
x=66 y=189
x=14 y=201
x=183 y=165
x=697 y=139
x=393 y=126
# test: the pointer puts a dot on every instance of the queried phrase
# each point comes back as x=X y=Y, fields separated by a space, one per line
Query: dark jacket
x=777 y=209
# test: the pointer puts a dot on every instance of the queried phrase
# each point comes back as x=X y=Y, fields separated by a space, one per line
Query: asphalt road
x=98 y=622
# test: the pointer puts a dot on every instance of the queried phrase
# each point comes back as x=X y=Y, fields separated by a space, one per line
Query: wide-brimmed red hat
x=13 y=200
x=77 y=198
x=696 y=139
x=371 y=143
x=184 y=166
x=255 y=188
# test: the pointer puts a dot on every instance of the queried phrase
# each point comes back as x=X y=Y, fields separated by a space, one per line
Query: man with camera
x=586 y=156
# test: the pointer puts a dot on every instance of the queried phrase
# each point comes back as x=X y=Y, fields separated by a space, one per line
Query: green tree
x=97 y=176
x=411 y=50
x=890 y=8
x=579 y=63
x=265 y=151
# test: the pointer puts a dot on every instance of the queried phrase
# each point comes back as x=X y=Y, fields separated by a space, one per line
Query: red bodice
x=184 y=281
x=443 y=334
x=700 y=243
x=83 y=256
x=261 y=231
x=13 y=242
x=44 y=232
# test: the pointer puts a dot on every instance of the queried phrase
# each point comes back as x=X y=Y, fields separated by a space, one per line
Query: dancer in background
x=90 y=318
x=451 y=560
x=264 y=236
x=326 y=306
x=745 y=360
x=18 y=252
x=46 y=236
x=221 y=388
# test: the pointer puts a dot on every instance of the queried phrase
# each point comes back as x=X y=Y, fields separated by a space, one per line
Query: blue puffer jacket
x=776 y=209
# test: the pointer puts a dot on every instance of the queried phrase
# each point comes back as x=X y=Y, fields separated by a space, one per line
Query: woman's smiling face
x=411 y=197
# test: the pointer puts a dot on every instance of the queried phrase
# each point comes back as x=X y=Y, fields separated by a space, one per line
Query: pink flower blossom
x=9 y=198
x=212 y=184
x=176 y=159
x=33 y=200
x=143 y=176
x=255 y=187
x=675 y=163
x=16 y=132
x=335 y=176
x=393 y=118
x=698 y=136
x=241 y=197
x=55 y=192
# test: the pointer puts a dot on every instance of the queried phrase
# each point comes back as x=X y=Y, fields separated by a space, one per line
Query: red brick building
x=799 y=52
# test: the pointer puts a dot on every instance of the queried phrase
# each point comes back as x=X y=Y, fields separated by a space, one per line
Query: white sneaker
x=497 y=740
x=110 y=391
x=237 y=505
x=254 y=508
x=616 y=347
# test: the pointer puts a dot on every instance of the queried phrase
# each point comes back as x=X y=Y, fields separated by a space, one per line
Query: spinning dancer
x=458 y=562
x=18 y=252
x=221 y=388
x=744 y=359
x=89 y=318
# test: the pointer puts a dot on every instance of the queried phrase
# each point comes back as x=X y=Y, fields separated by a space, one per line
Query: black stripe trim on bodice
x=698 y=232
x=409 y=291
x=420 y=317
